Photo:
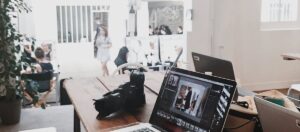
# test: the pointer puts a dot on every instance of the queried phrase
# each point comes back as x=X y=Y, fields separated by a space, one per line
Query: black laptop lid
x=191 y=101
x=218 y=67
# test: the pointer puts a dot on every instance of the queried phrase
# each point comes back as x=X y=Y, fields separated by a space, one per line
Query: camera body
x=128 y=96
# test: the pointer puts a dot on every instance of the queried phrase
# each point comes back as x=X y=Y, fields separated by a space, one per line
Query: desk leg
x=76 y=122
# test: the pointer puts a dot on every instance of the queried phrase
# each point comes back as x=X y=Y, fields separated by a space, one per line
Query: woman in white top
x=103 y=43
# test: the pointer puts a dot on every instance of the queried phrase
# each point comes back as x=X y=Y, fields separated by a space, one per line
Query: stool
x=295 y=97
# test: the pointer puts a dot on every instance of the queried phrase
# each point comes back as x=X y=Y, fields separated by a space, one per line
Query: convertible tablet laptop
x=275 y=118
x=189 y=101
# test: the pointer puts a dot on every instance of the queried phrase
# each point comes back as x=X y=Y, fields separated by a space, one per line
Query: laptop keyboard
x=143 y=130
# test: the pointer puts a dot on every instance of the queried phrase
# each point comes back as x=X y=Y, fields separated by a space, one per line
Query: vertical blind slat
x=279 y=10
x=76 y=22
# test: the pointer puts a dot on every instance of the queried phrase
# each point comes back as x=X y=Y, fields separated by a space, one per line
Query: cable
x=244 y=124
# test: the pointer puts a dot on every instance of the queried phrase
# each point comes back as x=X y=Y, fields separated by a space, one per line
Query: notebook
x=189 y=101
x=276 y=118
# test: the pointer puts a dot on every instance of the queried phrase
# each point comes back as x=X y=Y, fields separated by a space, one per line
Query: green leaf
x=8 y=37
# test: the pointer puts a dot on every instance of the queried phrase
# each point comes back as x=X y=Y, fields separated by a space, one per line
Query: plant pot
x=10 y=111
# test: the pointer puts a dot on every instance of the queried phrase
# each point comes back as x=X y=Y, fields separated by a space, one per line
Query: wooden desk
x=291 y=56
x=154 y=80
x=83 y=91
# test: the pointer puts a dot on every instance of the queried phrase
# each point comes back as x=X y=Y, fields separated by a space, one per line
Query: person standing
x=103 y=44
x=188 y=98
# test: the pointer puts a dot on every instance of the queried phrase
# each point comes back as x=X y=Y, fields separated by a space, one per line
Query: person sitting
x=156 y=31
x=151 y=32
x=168 y=30
x=162 y=30
x=165 y=30
x=47 y=51
x=122 y=57
x=180 y=30
x=27 y=54
x=43 y=66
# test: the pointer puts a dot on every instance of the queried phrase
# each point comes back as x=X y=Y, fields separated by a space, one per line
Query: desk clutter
x=128 y=96
x=249 y=119
x=183 y=100
x=187 y=102
x=279 y=98
x=152 y=82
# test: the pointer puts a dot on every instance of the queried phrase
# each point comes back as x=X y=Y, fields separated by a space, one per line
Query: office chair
x=46 y=83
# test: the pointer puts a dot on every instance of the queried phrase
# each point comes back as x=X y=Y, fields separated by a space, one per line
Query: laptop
x=275 y=118
x=189 y=101
x=214 y=66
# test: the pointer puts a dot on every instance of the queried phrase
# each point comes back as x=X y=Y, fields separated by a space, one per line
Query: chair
x=46 y=82
x=129 y=66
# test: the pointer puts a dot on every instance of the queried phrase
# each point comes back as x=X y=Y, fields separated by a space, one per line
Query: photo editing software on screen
x=185 y=98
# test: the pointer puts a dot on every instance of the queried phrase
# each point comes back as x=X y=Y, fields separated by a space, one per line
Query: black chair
x=46 y=83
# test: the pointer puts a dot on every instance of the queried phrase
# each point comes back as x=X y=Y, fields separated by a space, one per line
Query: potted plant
x=10 y=63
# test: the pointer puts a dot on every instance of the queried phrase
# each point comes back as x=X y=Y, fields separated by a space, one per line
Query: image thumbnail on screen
x=190 y=97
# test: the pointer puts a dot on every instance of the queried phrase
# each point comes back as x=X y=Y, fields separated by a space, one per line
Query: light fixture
x=131 y=21
x=189 y=14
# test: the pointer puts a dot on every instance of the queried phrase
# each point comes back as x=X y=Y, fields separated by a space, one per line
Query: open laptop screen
x=192 y=101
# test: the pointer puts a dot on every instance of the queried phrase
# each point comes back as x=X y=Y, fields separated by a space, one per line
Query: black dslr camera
x=128 y=96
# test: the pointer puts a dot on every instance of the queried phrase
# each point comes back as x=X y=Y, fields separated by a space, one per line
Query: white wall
x=255 y=53
x=26 y=24
x=199 y=40
x=143 y=19
x=44 y=12
x=117 y=28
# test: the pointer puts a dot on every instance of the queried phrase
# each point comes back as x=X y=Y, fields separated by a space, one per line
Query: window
x=74 y=23
x=280 y=14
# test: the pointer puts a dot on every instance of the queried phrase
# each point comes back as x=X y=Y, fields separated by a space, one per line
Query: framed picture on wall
x=166 y=17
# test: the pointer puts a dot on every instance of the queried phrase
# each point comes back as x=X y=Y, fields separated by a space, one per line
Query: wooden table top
x=153 y=81
x=291 y=56
x=82 y=92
